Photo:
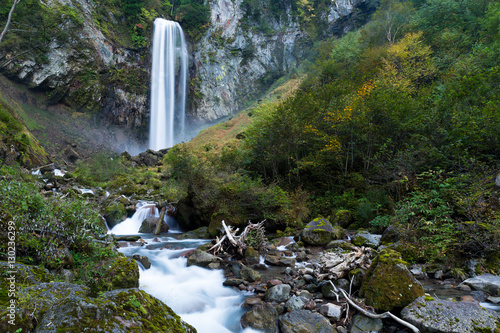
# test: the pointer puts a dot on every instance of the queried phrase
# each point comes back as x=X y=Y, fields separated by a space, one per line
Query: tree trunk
x=8 y=19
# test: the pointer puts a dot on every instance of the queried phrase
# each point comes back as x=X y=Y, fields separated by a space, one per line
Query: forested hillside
x=394 y=125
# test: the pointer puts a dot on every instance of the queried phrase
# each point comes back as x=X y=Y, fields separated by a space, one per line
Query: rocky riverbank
x=292 y=284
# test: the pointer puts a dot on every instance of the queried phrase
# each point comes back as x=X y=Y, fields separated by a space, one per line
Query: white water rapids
x=196 y=294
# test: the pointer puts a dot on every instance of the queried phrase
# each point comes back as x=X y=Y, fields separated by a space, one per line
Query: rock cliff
x=84 y=61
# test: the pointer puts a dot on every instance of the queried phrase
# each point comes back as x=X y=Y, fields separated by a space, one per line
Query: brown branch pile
x=253 y=235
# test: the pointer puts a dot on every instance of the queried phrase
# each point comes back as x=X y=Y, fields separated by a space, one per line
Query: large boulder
x=388 y=283
x=262 y=317
x=148 y=226
x=486 y=282
x=304 y=321
x=364 y=238
x=362 y=324
x=200 y=258
x=63 y=307
x=440 y=316
x=114 y=214
x=200 y=233
x=320 y=231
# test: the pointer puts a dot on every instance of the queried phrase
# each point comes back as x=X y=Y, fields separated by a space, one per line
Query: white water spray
x=168 y=85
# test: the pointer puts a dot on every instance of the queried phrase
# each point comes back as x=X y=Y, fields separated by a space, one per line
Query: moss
x=388 y=283
x=428 y=298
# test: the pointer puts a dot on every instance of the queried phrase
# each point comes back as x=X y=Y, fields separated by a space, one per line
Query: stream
x=196 y=294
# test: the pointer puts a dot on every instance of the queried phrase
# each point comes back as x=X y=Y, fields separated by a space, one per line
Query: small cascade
x=168 y=85
x=144 y=210
x=132 y=224
x=196 y=294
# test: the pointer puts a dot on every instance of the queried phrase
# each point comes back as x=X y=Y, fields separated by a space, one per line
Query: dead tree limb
x=373 y=315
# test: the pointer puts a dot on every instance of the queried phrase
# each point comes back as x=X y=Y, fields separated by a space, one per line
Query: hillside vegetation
x=395 y=125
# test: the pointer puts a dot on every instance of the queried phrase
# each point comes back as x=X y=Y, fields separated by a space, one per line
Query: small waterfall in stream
x=168 y=85
x=196 y=294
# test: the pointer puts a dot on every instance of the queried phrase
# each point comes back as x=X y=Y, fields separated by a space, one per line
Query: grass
x=225 y=133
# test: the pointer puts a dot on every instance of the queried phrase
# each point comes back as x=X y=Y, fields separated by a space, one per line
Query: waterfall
x=168 y=85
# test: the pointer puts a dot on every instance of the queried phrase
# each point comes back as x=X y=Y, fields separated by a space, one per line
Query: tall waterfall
x=168 y=85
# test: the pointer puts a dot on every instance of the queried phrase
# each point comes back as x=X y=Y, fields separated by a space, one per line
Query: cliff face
x=247 y=46
x=243 y=53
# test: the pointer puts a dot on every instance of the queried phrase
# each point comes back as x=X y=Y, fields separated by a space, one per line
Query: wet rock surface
x=441 y=316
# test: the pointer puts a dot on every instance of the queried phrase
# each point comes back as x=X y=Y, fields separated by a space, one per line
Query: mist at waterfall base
x=168 y=85
x=196 y=294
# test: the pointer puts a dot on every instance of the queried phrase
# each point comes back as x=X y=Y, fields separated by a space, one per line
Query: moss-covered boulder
x=116 y=273
x=343 y=218
x=63 y=307
x=114 y=214
x=200 y=233
x=26 y=275
x=320 y=231
x=364 y=238
x=388 y=283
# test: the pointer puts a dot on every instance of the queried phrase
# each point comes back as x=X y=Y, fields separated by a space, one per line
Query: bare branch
x=8 y=19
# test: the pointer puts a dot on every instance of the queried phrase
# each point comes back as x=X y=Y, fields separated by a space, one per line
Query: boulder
x=200 y=258
x=295 y=303
x=486 y=282
x=440 y=316
x=25 y=274
x=54 y=305
x=200 y=233
x=331 y=311
x=148 y=226
x=304 y=321
x=114 y=214
x=390 y=235
x=277 y=260
x=278 y=294
x=251 y=256
x=261 y=317
x=249 y=274
x=363 y=324
x=143 y=260
x=320 y=231
x=388 y=283
x=343 y=218
x=364 y=238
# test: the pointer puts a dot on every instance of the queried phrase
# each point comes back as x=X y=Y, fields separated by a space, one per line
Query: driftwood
x=367 y=313
x=337 y=264
x=231 y=243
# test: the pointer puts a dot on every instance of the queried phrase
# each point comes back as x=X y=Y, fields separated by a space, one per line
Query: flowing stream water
x=196 y=294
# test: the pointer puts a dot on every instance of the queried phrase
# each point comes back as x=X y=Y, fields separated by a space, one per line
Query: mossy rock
x=320 y=231
x=116 y=273
x=26 y=275
x=388 y=283
x=364 y=238
x=343 y=218
x=114 y=214
x=63 y=307
x=200 y=233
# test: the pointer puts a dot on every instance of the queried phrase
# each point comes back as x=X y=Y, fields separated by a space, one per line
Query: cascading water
x=168 y=85
x=194 y=293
